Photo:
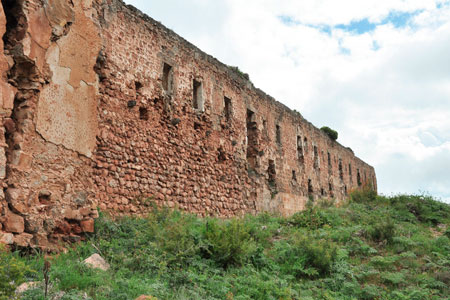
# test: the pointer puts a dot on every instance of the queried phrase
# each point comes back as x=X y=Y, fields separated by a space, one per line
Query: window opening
x=222 y=157
x=300 y=155
x=310 y=188
x=138 y=86
x=316 y=158
x=271 y=172
x=227 y=109
x=278 y=134
x=252 y=132
x=198 y=95
x=167 y=78
x=143 y=113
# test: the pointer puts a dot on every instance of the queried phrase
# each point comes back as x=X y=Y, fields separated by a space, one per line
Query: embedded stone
x=27 y=286
x=87 y=225
x=23 y=240
x=14 y=223
x=97 y=262
x=71 y=214
x=6 y=238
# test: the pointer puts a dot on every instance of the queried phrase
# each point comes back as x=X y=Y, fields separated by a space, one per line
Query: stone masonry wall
x=114 y=111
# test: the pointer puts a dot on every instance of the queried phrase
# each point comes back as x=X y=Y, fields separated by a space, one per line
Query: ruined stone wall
x=113 y=110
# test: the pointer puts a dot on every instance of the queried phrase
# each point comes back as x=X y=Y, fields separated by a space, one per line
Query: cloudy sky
x=377 y=71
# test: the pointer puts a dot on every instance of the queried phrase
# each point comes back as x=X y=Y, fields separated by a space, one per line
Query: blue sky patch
x=359 y=27
x=288 y=20
x=396 y=18
x=399 y=19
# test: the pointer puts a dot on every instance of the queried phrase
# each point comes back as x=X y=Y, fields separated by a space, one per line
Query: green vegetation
x=332 y=134
x=12 y=273
x=372 y=247
x=239 y=72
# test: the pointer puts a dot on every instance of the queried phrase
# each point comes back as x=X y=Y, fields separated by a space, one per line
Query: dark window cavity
x=143 y=113
x=167 y=78
x=197 y=95
x=310 y=188
x=252 y=134
x=278 y=134
x=271 y=172
x=227 y=109
x=316 y=158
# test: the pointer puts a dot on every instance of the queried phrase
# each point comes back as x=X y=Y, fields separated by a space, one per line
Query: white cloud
x=386 y=91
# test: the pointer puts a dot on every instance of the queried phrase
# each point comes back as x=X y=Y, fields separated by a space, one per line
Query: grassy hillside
x=370 y=248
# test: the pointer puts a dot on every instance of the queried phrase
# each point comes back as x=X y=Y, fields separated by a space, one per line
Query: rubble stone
x=6 y=238
x=97 y=262
x=14 y=223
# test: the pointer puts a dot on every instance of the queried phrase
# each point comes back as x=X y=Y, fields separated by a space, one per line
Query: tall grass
x=373 y=247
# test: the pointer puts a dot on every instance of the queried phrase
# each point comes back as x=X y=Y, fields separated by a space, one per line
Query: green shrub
x=423 y=208
x=305 y=256
x=239 y=72
x=366 y=195
x=332 y=134
x=311 y=218
x=382 y=231
x=228 y=242
x=394 y=278
x=12 y=273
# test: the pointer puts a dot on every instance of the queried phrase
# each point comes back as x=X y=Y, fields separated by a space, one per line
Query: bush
x=366 y=195
x=311 y=218
x=305 y=256
x=12 y=273
x=383 y=231
x=332 y=134
x=239 y=72
x=227 y=243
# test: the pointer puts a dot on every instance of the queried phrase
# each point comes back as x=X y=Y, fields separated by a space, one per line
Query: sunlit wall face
x=376 y=71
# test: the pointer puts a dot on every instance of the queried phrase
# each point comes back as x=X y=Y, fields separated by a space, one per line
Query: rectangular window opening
x=197 y=95
x=271 y=172
x=341 y=171
x=143 y=113
x=227 y=110
x=252 y=147
x=310 y=188
x=167 y=78
x=294 y=176
x=316 y=158
x=278 y=134
x=138 y=86
x=300 y=155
